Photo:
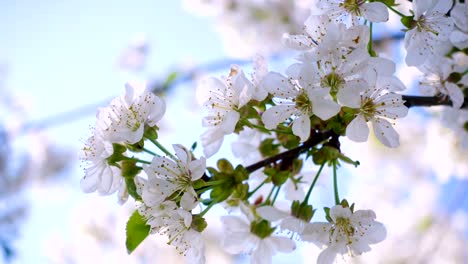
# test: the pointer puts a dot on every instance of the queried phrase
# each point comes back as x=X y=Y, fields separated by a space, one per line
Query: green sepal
x=261 y=228
x=288 y=140
x=132 y=189
x=221 y=192
x=324 y=154
x=130 y=169
x=198 y=184
x=137 y=230
x=194 y=146
x=327 y=214
x=408 y=21
x=206 y=201
x=302 y=211
x=267 y=148
x=117 y=154
x=137 y=147
x=198 y=223
x=386 y=2
x=224 y=166
x=151 y=133
x=277 y=177
x=241 y=191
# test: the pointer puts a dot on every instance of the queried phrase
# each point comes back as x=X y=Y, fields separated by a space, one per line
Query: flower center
x=368 y=109
x=344 y=227
x=334 y=82
x=421 y=25
x=303 y=102
x=352 y=6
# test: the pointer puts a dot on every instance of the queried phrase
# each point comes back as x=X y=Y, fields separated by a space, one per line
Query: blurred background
x=61 y=60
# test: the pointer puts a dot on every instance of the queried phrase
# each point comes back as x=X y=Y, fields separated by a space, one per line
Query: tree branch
x=315 y=139
x=414 y=101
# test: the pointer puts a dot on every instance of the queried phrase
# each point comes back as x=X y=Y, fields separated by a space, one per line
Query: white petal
x=230 y=122
x=374 y=12
x=189 y=199
x=278 y=85
x=386 y=134
x=455 y=94
x=271 y=213
x=459 y=39
x=283 y=244
x=212 y=139
x=376 y=233
x=297 y=42
x=157 y=110
x=358 y=130
x=301 y=127
x=324 y=108
x=197 y=168
x=327 y=256
x=358 y=247
x=391 y=84
x=421 y=6
x=350 y=94
x=182 y=153
x=263 y=253
x=89 y=183
x=339 y=211
x=277 y=114
x=317 y=233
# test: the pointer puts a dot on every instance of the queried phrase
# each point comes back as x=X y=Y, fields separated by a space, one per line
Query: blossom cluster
x=338 y=86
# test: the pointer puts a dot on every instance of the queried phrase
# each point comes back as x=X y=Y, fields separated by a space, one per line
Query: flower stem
x=138 y=160
x=207 y=208
x=150 y=152
x=256 y=189
x=335 y=184
x=162 y=148
x=269 y=195
x=306 y=199
x=393 y=9
x=276 y=195
x=211 y=183
x=369 y=44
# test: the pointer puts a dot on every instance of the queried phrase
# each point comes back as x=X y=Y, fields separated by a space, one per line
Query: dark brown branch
x=413 y=101
x=315 y=138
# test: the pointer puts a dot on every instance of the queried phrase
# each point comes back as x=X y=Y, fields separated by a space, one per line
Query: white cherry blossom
x=323 y=37
x=436 y=80
x=429 y=29
x=167 y=219
x=376 y=105
x=238 y=238
x=99 y=175
x=347 y=233
x=127 y=116
x=225 y=98
x=167 y=177
x=350 y=11
x=459 y=36
x=297 y=102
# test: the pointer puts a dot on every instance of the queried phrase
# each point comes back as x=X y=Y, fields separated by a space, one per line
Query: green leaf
x=137 y=231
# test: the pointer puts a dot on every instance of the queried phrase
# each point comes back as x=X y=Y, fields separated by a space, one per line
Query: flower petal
x=358 y=130
x=386 y=134
x=276 y=114
x=301 y=127
x=271 y=213
x=374 y=12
